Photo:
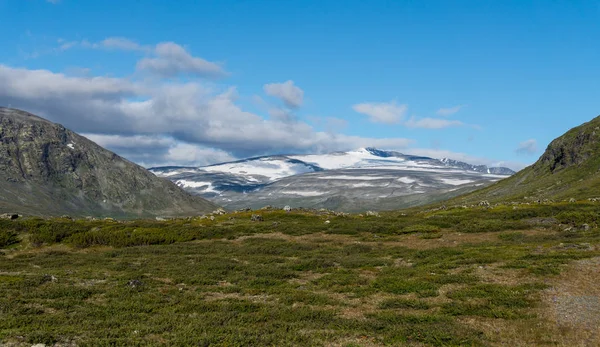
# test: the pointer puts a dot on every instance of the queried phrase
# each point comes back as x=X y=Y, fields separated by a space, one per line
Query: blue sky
x=195 y=82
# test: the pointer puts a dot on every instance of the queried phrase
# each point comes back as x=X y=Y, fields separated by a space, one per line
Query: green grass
x=299 y=281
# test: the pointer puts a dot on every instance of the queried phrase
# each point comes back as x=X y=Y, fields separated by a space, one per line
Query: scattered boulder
x=327 y=222
x=135 y=283
x=11 y=216
x=212 y=218
x=585 y=227
x=268 y=207
x=484 y=203
x=257 y=218
x=287 y=208
x=572 y=200
x=160 y=219
x=219 y=211
x=372 y=214
x=49 y=278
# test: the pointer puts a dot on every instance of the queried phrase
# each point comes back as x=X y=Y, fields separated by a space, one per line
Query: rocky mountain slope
x=569 y=168
x=366 y=178
x=46 y=169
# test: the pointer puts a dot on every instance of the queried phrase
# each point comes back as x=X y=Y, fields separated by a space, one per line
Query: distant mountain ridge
x=300 y=164
x=343 y=180
x=46 y=169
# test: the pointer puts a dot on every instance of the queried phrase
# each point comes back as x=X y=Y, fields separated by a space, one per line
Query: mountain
x=47 y=169
x=366 y=178
x=569 y=168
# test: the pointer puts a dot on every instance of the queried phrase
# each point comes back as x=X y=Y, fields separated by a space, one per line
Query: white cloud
x=280 y=114
x=431 y=123
x=384 y=112
x=166 y=59
x=449 y=110
x=528 y=147
x=173 y=60
x=186 y=112
x=151 y=150
x=290 y=94
x=121 y=43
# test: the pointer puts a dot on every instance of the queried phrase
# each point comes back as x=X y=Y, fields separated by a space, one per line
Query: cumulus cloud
x=291 y=95
x=281 y=114
x=448 y=111
x=153 y=150
x=383 y=112
x=166 y=59
x=173 y=60
x=431 y=123
x=186 y=112
x=527 y=147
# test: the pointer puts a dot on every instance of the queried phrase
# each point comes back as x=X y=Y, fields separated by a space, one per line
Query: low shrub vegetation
x=416 y=278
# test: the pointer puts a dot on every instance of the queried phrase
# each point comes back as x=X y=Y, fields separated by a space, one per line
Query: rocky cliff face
x=568 y=169
x=46 y=169
x=572 y=149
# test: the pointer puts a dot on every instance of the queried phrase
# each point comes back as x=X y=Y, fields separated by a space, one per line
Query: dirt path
x=574 y=304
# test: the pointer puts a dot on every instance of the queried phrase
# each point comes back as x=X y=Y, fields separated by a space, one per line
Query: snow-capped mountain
x=478 y=168
x=343 y=180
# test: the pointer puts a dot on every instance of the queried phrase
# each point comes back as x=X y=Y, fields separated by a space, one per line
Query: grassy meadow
x=446 y=277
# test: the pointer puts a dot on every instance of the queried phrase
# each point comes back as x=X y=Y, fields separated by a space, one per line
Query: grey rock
x=135 y=283
x=256 y=218
x=48 y=170
x=49 y=278
x=11 y=216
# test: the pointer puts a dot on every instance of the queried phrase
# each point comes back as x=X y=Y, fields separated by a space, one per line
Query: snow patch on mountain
x=455 y=181
x=271 y=168
x=354 y=178
x=303 y=193
x=207 y=186
x=406 y=180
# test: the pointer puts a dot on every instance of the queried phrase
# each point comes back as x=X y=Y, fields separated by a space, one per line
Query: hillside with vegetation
x=568 y=169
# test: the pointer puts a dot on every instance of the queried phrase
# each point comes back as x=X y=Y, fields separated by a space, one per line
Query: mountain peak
x=47 y=169
x=574 y=148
